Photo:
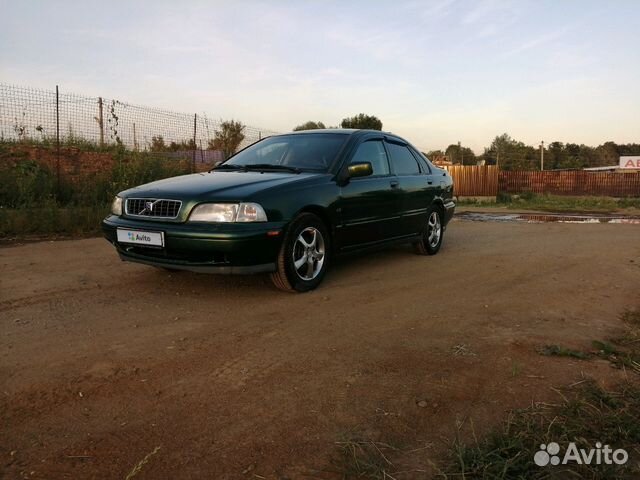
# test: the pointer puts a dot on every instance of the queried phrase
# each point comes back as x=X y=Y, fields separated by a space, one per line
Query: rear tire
x=304 y=255
x=432 y=235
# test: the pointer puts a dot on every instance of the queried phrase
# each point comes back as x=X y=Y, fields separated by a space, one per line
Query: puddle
x=546 y=217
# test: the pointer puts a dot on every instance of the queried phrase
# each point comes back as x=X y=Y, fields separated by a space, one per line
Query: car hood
x=216 y=185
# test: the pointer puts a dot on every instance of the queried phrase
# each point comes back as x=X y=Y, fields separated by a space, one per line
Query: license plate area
x=140 y=237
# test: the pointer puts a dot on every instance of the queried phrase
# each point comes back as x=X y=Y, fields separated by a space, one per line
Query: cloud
x=491 y=17
x=431 y=11
x=536 y=42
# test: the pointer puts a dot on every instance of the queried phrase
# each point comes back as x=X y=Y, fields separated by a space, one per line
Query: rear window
x=307 y=152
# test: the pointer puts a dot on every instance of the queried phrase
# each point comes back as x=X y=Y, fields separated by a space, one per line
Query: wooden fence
x=487 y=181
x=480 y=180
x=571 y=182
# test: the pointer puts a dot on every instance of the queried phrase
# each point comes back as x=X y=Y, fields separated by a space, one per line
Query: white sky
x=436 y=72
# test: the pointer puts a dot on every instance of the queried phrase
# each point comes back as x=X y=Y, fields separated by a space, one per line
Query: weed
x=138 y=467
x=604 y=348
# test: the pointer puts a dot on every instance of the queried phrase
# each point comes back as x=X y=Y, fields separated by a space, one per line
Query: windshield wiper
x=269 y=166
x=230 y=166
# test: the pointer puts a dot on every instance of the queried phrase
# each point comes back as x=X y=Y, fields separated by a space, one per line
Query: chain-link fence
x=53 y=117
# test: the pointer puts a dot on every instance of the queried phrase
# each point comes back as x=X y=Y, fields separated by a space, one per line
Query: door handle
x=393 y=183
x=430 y=182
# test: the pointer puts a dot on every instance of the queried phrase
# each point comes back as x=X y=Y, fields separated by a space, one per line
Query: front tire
x=432 y=235
x=304 y=255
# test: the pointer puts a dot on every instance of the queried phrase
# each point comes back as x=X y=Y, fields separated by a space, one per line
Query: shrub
x=32 y=202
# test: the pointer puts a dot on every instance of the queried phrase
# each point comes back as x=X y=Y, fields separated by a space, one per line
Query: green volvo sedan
x=287 y=205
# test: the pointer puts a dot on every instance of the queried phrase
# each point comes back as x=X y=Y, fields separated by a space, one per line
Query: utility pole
x=195 y=148
x=542 y=156
x=460 y=153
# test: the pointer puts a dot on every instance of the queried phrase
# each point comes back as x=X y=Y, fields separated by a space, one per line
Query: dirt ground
x=104 y=363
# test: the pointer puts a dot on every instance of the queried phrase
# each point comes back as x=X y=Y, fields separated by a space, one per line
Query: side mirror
x=363 y=169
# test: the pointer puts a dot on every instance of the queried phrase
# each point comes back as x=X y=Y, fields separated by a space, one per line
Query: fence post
x=195 y=147
x=101 y=121
x=135 y=139
x=58 y=140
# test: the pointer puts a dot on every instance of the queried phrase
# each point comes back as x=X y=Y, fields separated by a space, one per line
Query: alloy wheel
x=434 y=229
x=308 y=253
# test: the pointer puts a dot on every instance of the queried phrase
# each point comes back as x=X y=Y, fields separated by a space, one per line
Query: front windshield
x=314 y=151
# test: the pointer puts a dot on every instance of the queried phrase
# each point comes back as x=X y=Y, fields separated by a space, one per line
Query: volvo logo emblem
x=148 y=208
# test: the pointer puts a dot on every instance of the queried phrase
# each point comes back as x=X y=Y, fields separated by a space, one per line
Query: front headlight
x=228 y=212
x=116 y=206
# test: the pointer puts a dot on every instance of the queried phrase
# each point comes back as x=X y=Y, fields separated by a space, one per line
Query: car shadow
x=345 y=268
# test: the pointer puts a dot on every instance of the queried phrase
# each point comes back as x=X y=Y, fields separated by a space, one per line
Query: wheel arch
x=439 y=204
x=320 y=212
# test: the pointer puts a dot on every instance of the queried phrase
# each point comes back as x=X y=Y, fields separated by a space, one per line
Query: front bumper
x=208 y=248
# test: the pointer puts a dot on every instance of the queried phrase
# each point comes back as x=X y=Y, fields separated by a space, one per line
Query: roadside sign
x=629 y=161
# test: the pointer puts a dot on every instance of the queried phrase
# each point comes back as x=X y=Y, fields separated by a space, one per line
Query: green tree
x=228 y=137
x=362 y=121
x=629 y=149
x=468 y=156
x=157 y=144
x=607 y=154
x=310 y=125
x=511 y=154
x=434 y=155
x=461 y=155
x=588 y=156
x=555 y=156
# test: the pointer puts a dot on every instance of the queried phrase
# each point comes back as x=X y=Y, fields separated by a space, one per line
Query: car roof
x=342 y=131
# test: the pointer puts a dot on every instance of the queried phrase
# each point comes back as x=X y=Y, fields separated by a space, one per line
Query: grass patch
x=557 y=351
x=631 y=337
x=631 y=318
x=357 y=458
x=627 y=357
x=622 y=351
x=619 y=358
x=51 y=220
x=558 y=203
x=587 y=414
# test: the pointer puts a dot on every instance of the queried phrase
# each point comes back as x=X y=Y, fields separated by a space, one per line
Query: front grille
x=152 y=207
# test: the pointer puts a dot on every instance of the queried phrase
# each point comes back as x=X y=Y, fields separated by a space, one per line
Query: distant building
x=611 y=168
x=441 y=161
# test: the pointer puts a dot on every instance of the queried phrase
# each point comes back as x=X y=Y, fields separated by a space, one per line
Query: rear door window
x=403 y=161
x=422 y=160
